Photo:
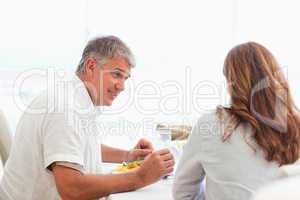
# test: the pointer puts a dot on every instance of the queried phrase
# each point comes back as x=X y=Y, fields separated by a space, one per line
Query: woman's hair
x=260 y=96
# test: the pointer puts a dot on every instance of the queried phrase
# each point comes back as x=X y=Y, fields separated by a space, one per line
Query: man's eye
x=117 y=74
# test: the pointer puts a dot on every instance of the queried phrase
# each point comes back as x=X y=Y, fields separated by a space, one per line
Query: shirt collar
x=82 y=101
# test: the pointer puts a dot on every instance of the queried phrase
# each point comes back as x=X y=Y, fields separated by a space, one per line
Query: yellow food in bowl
x=124 y=168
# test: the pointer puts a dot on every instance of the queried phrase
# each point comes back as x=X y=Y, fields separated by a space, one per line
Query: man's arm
x=113 y=155
x=73 y=185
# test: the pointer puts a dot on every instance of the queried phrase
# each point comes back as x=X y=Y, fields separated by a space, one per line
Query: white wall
x=179 y=47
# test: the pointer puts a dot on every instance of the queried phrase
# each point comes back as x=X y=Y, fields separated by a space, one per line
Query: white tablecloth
x=161 y=190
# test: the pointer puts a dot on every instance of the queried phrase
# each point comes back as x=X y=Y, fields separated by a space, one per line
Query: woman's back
x=233 y=169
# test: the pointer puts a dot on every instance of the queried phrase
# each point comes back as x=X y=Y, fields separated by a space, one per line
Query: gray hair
x=104 y=48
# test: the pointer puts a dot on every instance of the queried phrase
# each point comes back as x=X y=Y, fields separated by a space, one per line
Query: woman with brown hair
x=240 y=148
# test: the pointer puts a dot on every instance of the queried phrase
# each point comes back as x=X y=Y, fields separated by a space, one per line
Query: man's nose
x=120 y=86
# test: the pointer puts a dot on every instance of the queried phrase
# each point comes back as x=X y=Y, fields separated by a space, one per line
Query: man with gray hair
x=57 y=153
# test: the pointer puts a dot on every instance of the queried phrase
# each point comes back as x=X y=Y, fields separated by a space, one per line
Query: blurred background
x=179 y=47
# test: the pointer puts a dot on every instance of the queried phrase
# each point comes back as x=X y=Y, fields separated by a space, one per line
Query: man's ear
x=90 y=65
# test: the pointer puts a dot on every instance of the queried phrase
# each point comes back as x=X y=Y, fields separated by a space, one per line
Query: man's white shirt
x=56 y=127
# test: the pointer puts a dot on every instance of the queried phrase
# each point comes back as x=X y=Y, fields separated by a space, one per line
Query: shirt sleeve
x=71 y=165
x=189 y=176
x=61 y=141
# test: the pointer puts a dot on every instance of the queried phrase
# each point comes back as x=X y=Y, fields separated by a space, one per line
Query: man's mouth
x=113 y=94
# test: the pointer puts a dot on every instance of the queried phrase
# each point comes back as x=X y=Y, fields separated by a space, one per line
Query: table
x=161 y=190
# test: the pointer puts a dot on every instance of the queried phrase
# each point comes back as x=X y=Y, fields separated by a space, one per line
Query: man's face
x=108 y=81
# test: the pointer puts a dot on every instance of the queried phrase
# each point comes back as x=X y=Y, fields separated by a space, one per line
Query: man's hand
x=155 y=166
x=144 y=144
x=140 y=151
